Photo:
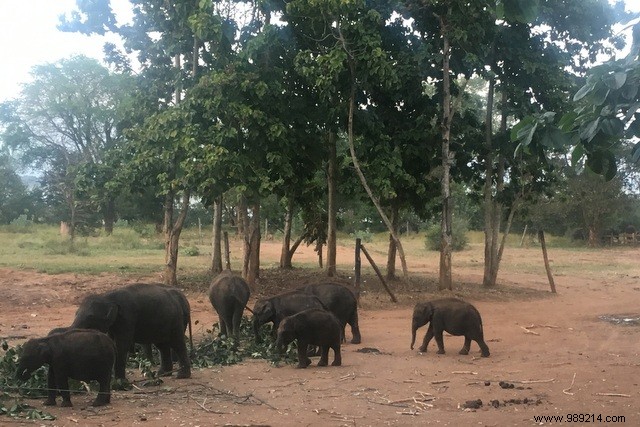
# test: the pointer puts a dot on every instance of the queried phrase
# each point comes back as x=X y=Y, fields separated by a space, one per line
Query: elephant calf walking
x=229 y=295
x=80 y=354
x=312 y=327
x=452 y=315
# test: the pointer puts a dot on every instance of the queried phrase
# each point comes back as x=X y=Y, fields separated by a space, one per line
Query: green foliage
x=62 y=246
x=365 y=235
x=191 y=251
x=459 y=228
x=214 y=350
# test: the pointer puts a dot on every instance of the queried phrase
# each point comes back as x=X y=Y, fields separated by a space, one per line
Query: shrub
x=459 y=228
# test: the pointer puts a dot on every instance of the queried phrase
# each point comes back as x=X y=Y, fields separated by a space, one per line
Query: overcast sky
x=29 y=37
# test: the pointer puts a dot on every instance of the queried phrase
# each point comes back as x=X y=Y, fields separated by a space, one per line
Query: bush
x=191 y=251
x=459 y=229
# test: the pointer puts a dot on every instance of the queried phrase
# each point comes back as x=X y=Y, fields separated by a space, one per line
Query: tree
x=14 y=198
x=66 y=121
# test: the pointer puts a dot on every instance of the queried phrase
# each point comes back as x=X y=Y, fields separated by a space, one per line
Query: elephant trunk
x=256 y=330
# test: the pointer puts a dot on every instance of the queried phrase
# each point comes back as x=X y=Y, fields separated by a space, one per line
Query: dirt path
x=559 y=356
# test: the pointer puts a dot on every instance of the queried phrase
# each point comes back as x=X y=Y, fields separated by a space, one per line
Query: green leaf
x=589 y=129
x=599 y=95
x=616 y=80
x=577 y=154
x=567 y=121
x=554 y=137
x=582 y=92
x=635 y=153
x=612 y=126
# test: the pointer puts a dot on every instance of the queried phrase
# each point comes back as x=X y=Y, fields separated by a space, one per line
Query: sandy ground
x=560 y=357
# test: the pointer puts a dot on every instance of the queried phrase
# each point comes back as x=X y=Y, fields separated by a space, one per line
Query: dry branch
x=464 y=372
x=613 y=394
x=527 y=331
x=566 y=390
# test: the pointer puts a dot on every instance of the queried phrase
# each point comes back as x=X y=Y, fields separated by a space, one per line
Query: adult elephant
x=341 y=301
x=277 y=307
x=229 y=294
x=142 y=313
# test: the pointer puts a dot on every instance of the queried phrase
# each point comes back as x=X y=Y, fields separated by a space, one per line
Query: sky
x=29 y=37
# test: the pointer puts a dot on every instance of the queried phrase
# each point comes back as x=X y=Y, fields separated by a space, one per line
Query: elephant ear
x=112 y=314
x=44 y=351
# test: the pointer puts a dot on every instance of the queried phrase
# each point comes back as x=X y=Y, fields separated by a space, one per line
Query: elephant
x=139 y=313
x=229 y=295
x=312 y=327
x=277 y=307
x=80 y=354
x=341 y=301
x=452 y=315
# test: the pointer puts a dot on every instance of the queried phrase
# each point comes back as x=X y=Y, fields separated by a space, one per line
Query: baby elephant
x=312 y=327
x=452 y=315
x=80 y=354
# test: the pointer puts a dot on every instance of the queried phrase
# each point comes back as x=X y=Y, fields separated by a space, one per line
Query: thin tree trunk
x=172 y=237
x=356 y=163
x=391 y=252
x=489 y=206
x=216 y=240
x=545 y=257
x=243 y=223
x=285 y=258
x=445 y=278
x=253 y=272
x=331 y=206
x=109 y=215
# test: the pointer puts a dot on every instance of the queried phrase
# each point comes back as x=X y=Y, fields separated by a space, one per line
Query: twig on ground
x=566 y=390
x=211 y=411
x=527 y=331
x=440 y=382
x=408 y=412
x=464 y=372
x=532 y=326
x=613 y=394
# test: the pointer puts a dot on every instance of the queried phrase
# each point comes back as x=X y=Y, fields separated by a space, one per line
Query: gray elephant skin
x=80 y=354
x=312 y=327
x=277 y=307
x=229 y=295
x=139 y=313
x=341 y=301
x=451 y=315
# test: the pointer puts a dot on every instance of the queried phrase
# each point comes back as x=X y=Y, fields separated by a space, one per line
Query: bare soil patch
x=550 y=354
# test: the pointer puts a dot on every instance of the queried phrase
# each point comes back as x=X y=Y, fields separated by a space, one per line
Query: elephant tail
x=190 y=338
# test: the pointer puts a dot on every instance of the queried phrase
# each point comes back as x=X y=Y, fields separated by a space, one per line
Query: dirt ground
x=560 y=357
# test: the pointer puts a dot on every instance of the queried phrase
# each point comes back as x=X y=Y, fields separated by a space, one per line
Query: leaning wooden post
x=358 y=266
x=377 y=270
x=227 y=257
x=546 y=260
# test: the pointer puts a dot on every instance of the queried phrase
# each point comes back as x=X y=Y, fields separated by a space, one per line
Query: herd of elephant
x=108 y=325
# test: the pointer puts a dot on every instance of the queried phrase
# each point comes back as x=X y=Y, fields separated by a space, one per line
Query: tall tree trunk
x=109 y=215
x=445 y=278
x=172 y=236
x=251 y=240
x=331 y=205
x=216 y=240
x=253 y=237
x=391 y=253
x=490 y=233
x=285 y=258
x=356 y=163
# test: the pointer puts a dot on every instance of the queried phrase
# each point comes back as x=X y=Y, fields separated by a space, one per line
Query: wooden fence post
x=546 y=260
x=358 y=265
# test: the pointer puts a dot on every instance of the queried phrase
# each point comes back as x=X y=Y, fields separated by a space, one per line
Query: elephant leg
x=337 y=357
x=303 y=359
x=166 y=364
x=484 y=349
x=439 y=340
x=427 y=339
x=104 y=393
x=184 y=363
x=122 y=349
x=467 y=345
x=224 y=329
x=324 y=355
x=52 y=388
x=355 y=329
x=63 y=386
x=237 y=320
